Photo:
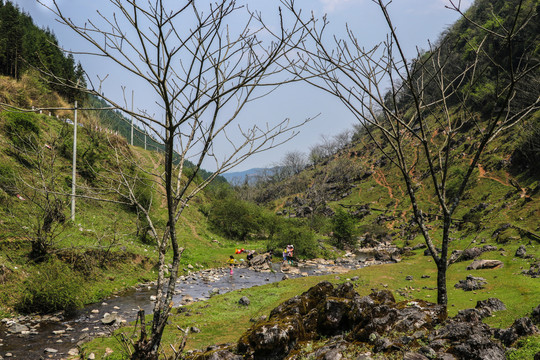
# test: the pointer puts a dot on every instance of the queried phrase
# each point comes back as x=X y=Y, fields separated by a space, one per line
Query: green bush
x=303 y=239
x=53 y=286
x=7 y=179
x=343 y=229
x=22 y=129
x=236 y=219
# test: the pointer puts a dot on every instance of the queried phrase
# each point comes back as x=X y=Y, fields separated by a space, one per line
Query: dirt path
x=508 y=181
x=380 y=179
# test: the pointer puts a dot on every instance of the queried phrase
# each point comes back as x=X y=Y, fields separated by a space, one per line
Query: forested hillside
x=24 y=46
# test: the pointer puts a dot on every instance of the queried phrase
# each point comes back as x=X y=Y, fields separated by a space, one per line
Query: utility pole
x=132 y=117
x=73 y=176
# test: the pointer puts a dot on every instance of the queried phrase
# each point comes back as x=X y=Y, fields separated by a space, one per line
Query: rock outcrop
x=344 y=324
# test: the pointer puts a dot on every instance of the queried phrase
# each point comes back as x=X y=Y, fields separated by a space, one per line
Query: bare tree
x=293 y=163
x=204 y=67
x=44 y=221
x=427 y=106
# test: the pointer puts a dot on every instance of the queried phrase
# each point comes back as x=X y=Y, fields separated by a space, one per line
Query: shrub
x=7 y=179
x=22 y=129
x=52 y=287
x=343 y=229
x=235 y=218
x=303 y=239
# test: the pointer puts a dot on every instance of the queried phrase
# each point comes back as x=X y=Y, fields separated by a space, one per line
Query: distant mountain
x=238 y=177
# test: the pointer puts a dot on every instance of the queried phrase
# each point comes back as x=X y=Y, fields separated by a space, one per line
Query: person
x=249 y=256
x=231 y=262
x=290 y=254
x=285 y=256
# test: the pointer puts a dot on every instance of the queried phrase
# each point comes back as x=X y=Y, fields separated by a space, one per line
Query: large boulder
x=489 y=306
x=327 y=311
x=469 y=340
x=485 y=264
x=465 y=255
x=471 y=283
x=535 y=315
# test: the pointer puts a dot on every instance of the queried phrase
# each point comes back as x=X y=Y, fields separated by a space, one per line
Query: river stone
x=214 y=291
x=485 y=264
x=109 y=319
x=186 y=300
x=51 y=350
x=17 y=328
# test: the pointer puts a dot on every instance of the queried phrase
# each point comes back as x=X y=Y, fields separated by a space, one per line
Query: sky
x=416 y=22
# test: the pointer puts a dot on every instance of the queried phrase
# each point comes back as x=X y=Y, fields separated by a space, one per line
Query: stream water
x=53 y=338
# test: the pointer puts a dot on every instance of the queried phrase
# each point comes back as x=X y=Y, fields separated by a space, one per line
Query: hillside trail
x=380 y=179
x=192 y=227
x=508 y=182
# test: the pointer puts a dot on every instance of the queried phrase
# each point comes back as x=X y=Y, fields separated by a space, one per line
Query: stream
x=56 y=337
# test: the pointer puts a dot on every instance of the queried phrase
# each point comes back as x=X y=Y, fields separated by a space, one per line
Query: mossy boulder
x=325 y=311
